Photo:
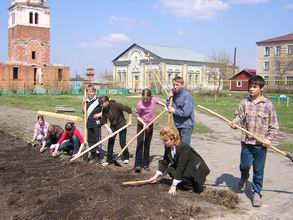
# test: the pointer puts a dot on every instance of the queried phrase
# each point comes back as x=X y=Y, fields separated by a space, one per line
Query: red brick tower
x=29 y=33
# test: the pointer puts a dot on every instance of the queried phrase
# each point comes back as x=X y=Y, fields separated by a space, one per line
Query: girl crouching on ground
x=69 y=141
x=183 y=164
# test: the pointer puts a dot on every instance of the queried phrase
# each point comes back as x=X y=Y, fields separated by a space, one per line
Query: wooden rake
x=97 y=144
x=141 y=131
x=247 y=132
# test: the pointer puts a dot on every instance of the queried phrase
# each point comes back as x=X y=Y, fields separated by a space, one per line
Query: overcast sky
x=91 y=33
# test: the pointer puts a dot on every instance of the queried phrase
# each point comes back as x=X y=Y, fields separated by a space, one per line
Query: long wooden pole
x=136 y=183
x=92 y=147
x=247 y=132
x=142 y=130
x=85 y=135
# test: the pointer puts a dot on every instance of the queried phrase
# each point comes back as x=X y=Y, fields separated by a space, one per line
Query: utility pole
x=234 y=61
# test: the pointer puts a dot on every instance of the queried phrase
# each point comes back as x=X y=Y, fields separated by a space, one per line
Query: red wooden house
x=239 y=82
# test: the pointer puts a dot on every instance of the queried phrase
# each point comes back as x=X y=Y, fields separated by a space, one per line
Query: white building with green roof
x=132 y=69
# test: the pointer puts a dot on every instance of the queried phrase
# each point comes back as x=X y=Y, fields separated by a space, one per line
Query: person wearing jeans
x=182 y=109
x=257 y=115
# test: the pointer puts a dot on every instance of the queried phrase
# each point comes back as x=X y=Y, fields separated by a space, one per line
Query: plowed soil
x=37 y=186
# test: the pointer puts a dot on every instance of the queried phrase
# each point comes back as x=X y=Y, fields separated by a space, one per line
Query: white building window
x=266 y=65
x=289 y=80
x=13 y=18
x=290 y=49
x=267 y=51
x=290 y=66
x=239 y=83
x=278 y=50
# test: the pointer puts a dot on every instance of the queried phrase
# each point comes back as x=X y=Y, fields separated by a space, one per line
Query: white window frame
x=266 y=67
x=267 y=51
x=239 y=83
x=278 y=50
x=290 y=49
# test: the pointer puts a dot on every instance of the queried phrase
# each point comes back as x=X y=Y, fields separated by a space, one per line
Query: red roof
x=288 y=37
x=252 y=71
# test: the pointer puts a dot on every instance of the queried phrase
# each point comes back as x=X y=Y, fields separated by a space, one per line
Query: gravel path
x=220 y=149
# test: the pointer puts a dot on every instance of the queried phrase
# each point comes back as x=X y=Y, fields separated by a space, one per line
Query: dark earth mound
x=36 y=186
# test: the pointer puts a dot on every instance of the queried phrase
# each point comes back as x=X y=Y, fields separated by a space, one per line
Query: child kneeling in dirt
x=53 y=135
x=73 y=143
x=40 y=131
x=184 y=165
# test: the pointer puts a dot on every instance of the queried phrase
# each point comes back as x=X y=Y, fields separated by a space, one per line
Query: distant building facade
x=239 y=82
x=28 y=66
x=275 y=61
x=133 y=70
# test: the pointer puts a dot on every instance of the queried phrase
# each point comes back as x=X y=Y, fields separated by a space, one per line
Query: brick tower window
x=33 y=55
x=15 y=72
x=36 y=18
x=31 y=18
x=60 y=74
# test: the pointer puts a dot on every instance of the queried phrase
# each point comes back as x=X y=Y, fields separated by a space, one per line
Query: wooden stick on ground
x=142 y=130
x=92 y=147
x=136 y=183
x=61 y=116
x=247 y=132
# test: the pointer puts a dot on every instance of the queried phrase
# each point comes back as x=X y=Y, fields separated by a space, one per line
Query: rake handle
x=141 y=131
x=92 y=147
x=136 y=183
x=245 y=131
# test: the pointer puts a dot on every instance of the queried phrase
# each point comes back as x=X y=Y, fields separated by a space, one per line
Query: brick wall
x=23 y=40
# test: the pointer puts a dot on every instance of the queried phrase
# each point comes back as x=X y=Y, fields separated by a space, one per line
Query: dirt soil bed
x=36 y=186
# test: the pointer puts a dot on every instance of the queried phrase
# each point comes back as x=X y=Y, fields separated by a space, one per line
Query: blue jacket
x=184 y=109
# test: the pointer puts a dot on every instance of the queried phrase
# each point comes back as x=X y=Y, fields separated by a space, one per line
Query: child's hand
x=267 y=142
x=232 y=125
x=98 y=115
x=154 y=179
x=172 y=190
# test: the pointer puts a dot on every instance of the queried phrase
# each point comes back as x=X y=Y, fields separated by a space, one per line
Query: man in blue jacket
x=182 y=109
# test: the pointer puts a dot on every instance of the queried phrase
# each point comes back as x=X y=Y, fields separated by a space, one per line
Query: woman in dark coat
x=183 y=164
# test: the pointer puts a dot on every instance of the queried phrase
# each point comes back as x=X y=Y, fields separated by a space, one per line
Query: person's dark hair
x=41 y=117
x=69 y=126
x=103 y=99
x=146 y=92
x=178 y=79
x=257 y=80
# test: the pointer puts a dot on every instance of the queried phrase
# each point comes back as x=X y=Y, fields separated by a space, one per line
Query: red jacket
x=75 y=132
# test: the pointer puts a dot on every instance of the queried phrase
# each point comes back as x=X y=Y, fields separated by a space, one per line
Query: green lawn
x=48 y=103
x=224 y=104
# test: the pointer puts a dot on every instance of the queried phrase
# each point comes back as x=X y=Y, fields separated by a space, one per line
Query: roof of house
x=172 y=53
x=287 y=37
x=250 y=72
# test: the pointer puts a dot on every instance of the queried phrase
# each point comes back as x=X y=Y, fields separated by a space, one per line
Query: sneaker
x=137 y=169
x=105 y=164
x=242 y=185
x=147 y=168
x=256 y=200
x=126 y=161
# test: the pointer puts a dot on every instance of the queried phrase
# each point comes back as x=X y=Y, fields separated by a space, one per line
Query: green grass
x=48 y=103
x=286 y=146
x=226 y=106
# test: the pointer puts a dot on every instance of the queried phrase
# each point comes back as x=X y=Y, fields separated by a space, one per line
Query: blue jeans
x=254 y=155
x=185 y=134
x=71 y=145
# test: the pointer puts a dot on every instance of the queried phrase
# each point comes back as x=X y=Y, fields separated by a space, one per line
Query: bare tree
x=220 y=69
x=282 y=67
